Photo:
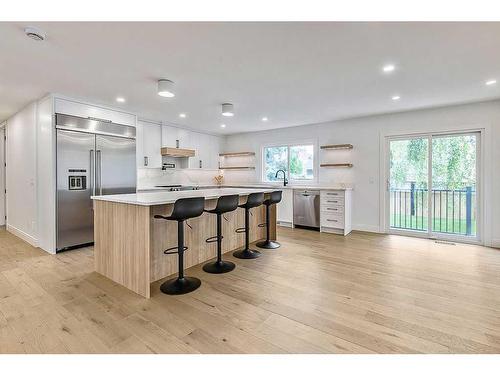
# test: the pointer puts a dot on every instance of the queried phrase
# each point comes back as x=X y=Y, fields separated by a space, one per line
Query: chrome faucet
x=285 y=181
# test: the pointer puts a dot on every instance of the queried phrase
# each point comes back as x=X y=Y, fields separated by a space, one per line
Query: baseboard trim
x=22 y=235
x=366 y=228
x=495 y=242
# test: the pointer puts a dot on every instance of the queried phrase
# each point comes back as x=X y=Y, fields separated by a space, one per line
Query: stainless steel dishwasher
x=306 y=208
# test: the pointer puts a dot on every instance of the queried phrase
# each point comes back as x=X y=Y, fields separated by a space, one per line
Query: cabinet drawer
x=332 y=194
x=339 y=210
x=326 y=201
x=332 y=220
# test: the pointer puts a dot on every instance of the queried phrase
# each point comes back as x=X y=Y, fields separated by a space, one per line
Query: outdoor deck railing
x=453 y=211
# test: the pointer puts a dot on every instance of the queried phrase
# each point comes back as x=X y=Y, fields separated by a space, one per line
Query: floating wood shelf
x=236 y=167
x=345 y=165
x=237 y=154
x=177 y=152
x=346 y=146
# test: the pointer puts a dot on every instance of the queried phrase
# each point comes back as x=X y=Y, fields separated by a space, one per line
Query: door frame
x=384 y=184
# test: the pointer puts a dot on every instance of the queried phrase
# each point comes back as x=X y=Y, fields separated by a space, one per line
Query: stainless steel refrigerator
x=94 y=157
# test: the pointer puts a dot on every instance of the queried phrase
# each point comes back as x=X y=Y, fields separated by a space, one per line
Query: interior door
x=115 y=165
x=75 y=159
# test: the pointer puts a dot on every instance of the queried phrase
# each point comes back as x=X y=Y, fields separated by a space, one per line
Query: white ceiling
x=293 y=73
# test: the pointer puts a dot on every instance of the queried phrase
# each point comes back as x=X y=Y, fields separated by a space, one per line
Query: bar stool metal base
x=180 y=285
x=271 y=245
x=247 y=254
x=219 y=267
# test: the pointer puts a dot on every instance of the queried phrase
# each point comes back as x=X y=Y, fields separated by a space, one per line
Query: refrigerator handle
x=99 y=171
x=92 y=174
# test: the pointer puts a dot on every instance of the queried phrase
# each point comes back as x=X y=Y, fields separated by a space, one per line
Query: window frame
x=305 y=142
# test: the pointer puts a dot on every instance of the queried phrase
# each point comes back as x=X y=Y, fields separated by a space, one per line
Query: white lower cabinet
x=285 y=209
x=336 y=211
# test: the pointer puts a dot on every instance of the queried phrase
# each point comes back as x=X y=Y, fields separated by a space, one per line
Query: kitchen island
x=129 y=242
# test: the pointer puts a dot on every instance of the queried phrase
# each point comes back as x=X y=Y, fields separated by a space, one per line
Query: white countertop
x=154 y=198
x=261 y=185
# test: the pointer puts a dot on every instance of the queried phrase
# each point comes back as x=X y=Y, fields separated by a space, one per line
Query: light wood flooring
x=318 y=293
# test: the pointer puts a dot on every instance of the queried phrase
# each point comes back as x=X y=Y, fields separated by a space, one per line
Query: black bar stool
x=274 y=198
x=253 y=200
x=185 y=208
x=225 y=204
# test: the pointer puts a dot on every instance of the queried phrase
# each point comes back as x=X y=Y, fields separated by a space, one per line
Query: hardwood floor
x=318 y=293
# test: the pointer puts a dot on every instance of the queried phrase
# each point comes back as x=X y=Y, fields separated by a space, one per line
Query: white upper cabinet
x=69 y=107
x=207 y=147
x=169 y=136
x=151 y=144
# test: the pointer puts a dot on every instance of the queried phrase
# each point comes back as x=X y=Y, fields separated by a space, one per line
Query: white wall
x=366 y=134
x=46 y=175
x=21 y=174
x=2 y=174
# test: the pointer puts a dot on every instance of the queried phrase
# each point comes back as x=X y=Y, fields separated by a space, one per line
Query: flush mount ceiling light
x=264 y=119
x=396 y=97
x=491 y=82
x=120 y=99
x=222 y=125
x=182 y=115
x=388 y=68
x=227 y=110
x=34 y=33
x=165 y=88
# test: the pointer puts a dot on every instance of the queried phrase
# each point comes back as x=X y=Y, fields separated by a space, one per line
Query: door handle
x=92 y=169
x=99 y=171
x=146 y=161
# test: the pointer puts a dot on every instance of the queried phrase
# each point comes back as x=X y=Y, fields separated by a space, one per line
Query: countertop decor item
x=219 y=180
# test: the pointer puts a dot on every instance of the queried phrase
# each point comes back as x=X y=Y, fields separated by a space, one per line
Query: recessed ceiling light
x=222 y=125
x=388 y=68
x=165 y=88
x=491 y=82
x=396 y=97
x=182 y=115
x=120 y=99
x=34 y=33
x=227 y=110
x=264 y=119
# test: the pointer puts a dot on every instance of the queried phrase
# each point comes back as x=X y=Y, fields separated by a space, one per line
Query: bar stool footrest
x=173 y=250
x=213 y=239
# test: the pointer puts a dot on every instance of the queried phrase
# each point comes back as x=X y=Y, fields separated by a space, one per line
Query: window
x=296 y=160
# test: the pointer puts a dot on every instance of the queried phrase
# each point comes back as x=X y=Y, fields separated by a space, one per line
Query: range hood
x=177 y=152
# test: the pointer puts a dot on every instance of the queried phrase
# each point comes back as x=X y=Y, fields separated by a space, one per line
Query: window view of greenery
x=453 y=195
x=275 y=158
x=301 y=162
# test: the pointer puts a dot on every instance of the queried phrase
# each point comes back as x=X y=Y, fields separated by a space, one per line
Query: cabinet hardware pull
x=331 y=220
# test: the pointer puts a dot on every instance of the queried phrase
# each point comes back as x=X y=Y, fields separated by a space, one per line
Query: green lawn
x=415 y=222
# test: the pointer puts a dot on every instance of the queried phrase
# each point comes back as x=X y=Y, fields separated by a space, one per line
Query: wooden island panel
x=121 y=244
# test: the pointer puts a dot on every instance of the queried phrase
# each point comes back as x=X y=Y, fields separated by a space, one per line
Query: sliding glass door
x=432 y=187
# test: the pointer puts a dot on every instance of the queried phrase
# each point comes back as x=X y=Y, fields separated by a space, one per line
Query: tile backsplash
x=150 y=177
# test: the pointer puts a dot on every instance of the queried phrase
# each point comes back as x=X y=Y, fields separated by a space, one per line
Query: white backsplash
x=151 y=177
